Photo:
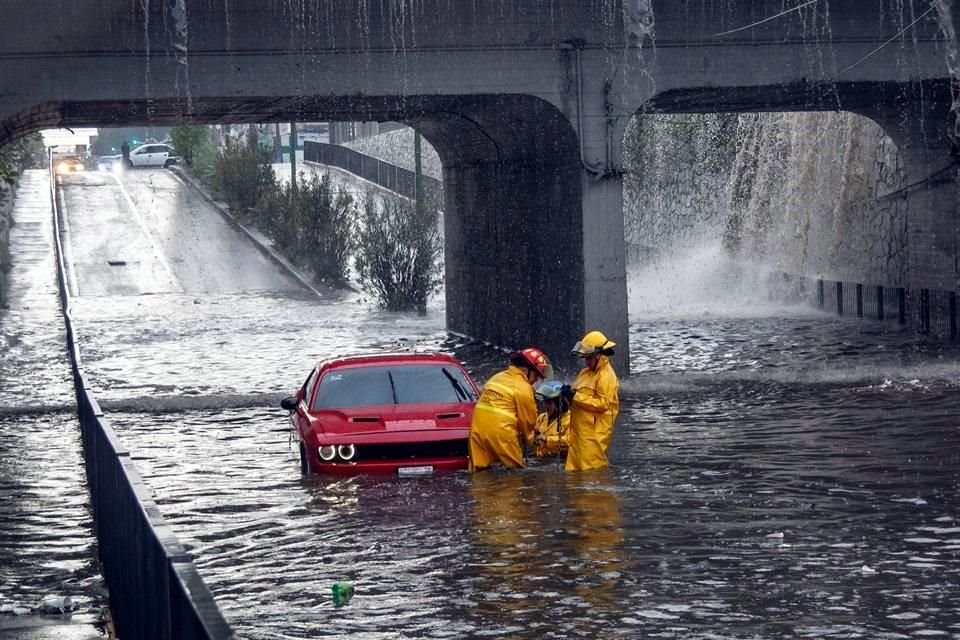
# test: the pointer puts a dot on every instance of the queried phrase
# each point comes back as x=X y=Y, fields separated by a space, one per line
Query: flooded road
x=47 y=543
x=776 y=474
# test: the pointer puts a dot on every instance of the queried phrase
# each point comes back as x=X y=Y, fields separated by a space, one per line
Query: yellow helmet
x=593 y=344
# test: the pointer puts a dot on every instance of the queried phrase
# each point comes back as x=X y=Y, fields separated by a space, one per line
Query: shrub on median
x=241 y=174
x=312 y=225
x=399 y=251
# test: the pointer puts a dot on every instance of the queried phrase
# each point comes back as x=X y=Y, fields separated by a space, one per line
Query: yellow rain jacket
x=503 y=419
x=595 y=405
x=556 y=440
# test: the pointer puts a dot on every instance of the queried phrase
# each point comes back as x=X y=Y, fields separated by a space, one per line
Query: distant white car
x=109 y=163
x=153 y=155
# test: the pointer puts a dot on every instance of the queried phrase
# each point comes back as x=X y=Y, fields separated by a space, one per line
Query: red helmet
x=534 y=359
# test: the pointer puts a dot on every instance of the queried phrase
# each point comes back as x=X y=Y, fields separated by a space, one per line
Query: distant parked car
x=68 y=164
x=153 y=155
x=401 y=414
x=109 y=163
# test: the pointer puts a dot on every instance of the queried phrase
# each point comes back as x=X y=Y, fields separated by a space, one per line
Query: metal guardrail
x=155 y=589
x=934 y=312
x=387 y=175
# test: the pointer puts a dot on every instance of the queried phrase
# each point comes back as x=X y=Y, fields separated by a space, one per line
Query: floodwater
x=777 y=472
x=47 y=543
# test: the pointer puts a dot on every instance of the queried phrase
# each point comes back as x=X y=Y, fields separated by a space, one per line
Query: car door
x=140 y=157
x=160 y=155
x=301 y=417
x=157 y=155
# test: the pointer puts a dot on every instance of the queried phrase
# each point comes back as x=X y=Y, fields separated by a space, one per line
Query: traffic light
x=134 y=141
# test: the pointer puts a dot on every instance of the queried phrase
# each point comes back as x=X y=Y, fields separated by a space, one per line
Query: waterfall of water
x=638 y=21
x=715 y=204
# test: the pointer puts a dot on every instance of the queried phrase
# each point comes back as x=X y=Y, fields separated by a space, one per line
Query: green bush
x=312 y=224
x=241 y=174
x=326 y=216
x=188 y=141
x=398 y=255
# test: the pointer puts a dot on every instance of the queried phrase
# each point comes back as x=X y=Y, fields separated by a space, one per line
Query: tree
x=189 y=141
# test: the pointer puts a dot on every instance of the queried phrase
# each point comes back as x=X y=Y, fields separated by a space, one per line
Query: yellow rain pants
x=595 y=405
x=503 y=419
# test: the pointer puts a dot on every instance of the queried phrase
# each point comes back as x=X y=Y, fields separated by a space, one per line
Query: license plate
x=426 y=470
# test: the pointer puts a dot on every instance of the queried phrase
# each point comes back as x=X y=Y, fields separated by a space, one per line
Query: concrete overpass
x=525 y=100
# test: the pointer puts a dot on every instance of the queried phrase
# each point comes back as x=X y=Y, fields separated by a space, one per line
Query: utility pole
x=418 y=175
x=277 y=144
x=293 y=156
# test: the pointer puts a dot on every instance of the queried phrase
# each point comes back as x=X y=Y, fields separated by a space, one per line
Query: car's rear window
x=392 y=384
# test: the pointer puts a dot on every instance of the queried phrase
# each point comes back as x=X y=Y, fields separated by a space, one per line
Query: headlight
x=327 y=452
x=346 y=451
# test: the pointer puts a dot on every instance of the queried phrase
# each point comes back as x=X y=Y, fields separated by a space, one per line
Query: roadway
x=144 y=231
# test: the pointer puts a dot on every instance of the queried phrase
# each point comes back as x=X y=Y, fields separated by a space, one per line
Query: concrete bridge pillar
x=926 y=139
x=534 y=243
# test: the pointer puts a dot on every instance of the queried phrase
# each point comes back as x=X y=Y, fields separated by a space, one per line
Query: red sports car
x=402 y=414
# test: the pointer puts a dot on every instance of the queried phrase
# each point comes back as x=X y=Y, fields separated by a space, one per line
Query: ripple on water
x=47 y=546
x=734 y=431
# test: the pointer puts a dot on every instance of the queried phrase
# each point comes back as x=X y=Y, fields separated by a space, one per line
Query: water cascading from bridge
x=716 y=204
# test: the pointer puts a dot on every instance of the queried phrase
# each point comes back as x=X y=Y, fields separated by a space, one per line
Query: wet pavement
x=47 y=543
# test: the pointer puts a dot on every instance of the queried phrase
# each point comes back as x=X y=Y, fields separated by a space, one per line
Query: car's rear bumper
x=388 y=467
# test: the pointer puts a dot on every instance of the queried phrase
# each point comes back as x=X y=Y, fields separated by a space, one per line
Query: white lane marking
x=158 y=254
x=66 y=244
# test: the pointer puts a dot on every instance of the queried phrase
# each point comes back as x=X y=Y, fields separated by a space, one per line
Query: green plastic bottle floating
x=342 y=592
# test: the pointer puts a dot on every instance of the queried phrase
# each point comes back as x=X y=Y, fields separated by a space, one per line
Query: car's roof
x=152 y=144
x=397 y=358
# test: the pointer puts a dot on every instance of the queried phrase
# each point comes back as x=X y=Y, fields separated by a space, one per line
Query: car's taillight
x=327 y=452
x=346 y=451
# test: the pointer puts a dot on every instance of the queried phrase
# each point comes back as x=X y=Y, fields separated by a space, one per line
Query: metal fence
x=931 y=311
x=155 y=590
x=389 y=176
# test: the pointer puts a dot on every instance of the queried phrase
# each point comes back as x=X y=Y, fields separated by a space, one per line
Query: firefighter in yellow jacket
x=551 y=435
x=594 y=401
x=506 y=413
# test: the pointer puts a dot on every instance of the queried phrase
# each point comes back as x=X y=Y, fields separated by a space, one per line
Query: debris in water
x=57 y=604
x=342 y=592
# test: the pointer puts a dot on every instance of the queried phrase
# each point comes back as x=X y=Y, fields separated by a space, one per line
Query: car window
x=141 y=150
x=404 y=384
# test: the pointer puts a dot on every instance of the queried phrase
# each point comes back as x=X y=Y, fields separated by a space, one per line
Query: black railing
x=384 y=174
x=155 y=590
x=931 y=311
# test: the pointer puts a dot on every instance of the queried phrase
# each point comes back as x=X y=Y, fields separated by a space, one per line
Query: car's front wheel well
x=304 y=463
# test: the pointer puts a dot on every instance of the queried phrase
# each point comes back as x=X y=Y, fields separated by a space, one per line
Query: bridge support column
x=534 y=245
x=604 y=263
x=925 y=139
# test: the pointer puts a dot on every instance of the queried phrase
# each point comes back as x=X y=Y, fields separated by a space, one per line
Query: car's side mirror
x=289 y=403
